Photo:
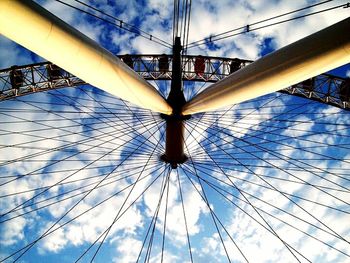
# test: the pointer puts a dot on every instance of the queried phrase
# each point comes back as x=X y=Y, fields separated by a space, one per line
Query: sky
x=267 y=180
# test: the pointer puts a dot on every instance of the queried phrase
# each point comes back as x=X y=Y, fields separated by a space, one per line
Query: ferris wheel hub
x=175 y=128
x=174 y=142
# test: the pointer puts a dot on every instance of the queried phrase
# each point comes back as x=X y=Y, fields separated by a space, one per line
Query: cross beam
x=325 y=88
x=320 y=52
x=33 y=27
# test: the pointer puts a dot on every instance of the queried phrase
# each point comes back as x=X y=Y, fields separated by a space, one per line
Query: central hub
x=175 y=129
x=175 y=141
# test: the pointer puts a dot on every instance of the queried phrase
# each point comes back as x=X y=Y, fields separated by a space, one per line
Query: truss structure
x=23 y=80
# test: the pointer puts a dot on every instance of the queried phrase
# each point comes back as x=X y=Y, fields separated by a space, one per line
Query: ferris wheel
x=172 y=157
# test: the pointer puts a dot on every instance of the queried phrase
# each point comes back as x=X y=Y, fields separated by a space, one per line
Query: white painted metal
x=33 y=27
x=306 y=58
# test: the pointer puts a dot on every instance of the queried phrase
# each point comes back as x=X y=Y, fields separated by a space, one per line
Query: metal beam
x=175 y=129
x=306 y=58
x=325 y=88
x=33 y=27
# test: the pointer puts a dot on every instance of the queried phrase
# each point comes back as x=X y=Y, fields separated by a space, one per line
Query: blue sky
x=71 y=139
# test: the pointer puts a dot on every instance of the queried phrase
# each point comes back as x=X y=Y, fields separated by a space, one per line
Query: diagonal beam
x=33 y=27
x=306 y=58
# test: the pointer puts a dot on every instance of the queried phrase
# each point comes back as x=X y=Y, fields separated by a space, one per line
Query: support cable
x=277 y=167
x=245 y=181
x=86 y=211
x=165 y=217
x=69 y=145
x=244 y=28
x=72 y=190
x=62 y=180
x=266 y=182
x=131 y=29
x=59 y=148
x=212 y=213
x=214 y=217
x=155 y=214
x=184 y=214
x=132 y=113
x=277 y=155
x=29 y=246
x=235 y=186
x=224 y=193
x=106 y=232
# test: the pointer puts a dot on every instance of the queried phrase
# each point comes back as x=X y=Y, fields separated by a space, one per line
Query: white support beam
x=33 y=27
x=306 y=58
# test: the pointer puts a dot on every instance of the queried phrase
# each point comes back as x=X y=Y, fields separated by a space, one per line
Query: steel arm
x=308 y=57
x=33 y=27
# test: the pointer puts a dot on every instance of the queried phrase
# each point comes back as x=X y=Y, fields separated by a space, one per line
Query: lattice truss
x=22 y=80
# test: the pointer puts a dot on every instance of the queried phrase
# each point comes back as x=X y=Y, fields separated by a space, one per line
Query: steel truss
x=23 y=80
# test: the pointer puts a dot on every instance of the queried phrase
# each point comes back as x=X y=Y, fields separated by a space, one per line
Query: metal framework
x=175 y=128
x=60 y=43
x=247 y=163
x=287 y=66
x=23 y=80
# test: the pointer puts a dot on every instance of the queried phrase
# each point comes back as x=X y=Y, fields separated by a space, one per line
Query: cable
x=122 y=24
x=264 y=20
x=151 y=37
x=247 y=28
x=187 y=25
x=174 y=18
x=183 y=20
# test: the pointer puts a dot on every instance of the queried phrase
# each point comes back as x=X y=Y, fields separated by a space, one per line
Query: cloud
x=100 y=126
x=128 y=255
x=13 y=231
x=53 y=242
x=255 y=242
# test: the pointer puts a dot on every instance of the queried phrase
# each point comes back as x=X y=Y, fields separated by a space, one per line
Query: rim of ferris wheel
x=315 y=54
x=35 y=28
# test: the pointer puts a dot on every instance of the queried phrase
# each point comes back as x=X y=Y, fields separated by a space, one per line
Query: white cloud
x=16 y=55
x=168 y=257
x=126 y=254
x=53 y=242
x=207 y=18
x=13 y=231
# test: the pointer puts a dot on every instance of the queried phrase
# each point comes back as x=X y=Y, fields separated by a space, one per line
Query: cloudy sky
x=267 y=180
